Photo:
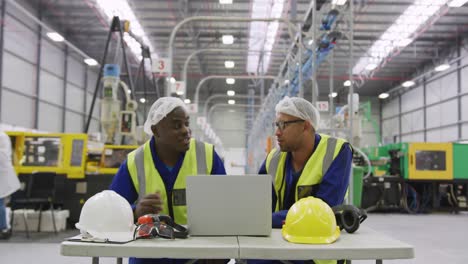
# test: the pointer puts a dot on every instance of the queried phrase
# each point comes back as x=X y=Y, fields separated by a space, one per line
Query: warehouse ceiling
x=81 y=22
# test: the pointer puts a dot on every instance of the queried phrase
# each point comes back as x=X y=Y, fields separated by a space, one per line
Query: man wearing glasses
x=307 y=163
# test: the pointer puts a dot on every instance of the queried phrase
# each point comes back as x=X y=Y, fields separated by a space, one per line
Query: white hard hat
x=160 y=109
x=107 y=216
x=300 y=108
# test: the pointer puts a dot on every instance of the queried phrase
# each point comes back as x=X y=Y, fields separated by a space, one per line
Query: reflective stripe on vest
x=328 y=159
x=140 y=166
x=313 y=171
x=201 y=157
x=146 y=179
x=273 y=166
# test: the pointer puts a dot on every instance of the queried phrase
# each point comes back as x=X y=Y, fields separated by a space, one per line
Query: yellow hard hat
x=310 y=221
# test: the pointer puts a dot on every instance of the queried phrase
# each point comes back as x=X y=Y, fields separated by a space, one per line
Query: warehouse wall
x=229 y=124
x=434 y=111
x=44 y=86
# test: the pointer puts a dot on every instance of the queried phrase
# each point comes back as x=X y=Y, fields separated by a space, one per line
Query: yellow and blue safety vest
x=198 y=160
x=312 y=174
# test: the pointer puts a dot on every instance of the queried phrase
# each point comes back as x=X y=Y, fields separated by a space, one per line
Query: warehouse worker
x=9 y=182
x=307 y=163
x=152 y=179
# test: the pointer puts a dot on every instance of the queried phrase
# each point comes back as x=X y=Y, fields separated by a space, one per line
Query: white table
x=190 y=248
x=364 y=244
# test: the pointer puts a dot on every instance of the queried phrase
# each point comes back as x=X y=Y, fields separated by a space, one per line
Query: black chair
x=39 y=195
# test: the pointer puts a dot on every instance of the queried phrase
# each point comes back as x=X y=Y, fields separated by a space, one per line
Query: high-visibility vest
x=198 y=160
x=312 y=174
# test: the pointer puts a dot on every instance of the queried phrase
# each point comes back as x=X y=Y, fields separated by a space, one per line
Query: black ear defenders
x=349 y=217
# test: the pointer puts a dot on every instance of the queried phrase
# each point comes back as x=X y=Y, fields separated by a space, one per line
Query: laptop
x=229 y=205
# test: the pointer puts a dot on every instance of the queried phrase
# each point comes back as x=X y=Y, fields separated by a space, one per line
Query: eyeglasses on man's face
x=281 y=125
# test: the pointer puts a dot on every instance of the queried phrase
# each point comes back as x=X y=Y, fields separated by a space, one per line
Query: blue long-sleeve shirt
x=123 y=185
x=332 y=188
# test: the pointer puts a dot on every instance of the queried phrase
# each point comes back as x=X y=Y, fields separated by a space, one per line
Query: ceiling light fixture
x=225 y=2
x=333 y=95
x=142 y=100
x=442 y=67
x=90 y=61
x=231 y=102
x=457 y=3
x=383 y=95
x=347 y=83
x=407 y=84
x=231 y=93
x=187 y=101
x=122 y=9
x=338 y=2
x=262 y=35
x=371 y=66
x=404 y=42
x=230 y=80
x=401 y=33
x=229 y=64
x=55 y=36
x=228 y=39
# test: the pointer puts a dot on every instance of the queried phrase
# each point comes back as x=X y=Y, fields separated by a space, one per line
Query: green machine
x=358 y=174
x=386 y=160
x=420 y=161
x=460 y=161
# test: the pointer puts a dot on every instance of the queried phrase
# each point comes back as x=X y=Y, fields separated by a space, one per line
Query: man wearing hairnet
x=152 y=179
x=307 y=163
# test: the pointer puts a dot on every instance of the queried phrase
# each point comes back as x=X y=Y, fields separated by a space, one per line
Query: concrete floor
x=437 y=238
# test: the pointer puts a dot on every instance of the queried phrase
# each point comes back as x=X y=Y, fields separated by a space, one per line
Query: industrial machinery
x=42 y=152
x=114 y=121
x=361 y=113
x=106 y=161
x=426 y=175
x=420 y=161
x=329 y=19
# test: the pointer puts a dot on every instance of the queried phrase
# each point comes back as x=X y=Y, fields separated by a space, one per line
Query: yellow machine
x=41 y=152
x=430 y=161
x=108 y=159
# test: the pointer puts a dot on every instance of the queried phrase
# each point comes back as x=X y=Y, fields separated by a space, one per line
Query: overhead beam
x=192 y=32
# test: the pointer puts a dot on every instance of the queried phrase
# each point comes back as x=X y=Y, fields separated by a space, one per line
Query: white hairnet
x=300 y=108
x=160 y=109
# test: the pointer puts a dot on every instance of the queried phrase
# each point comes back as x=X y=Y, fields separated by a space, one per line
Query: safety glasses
x=151 y=230
x=281 y=125
x=153 y=225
